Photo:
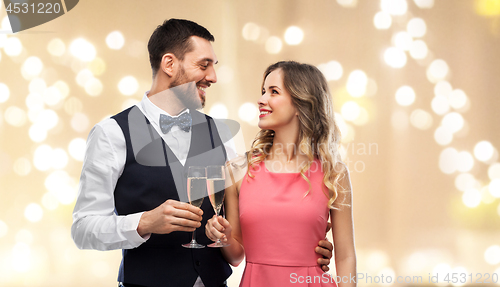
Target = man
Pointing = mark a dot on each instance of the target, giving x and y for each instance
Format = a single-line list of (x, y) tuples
[(133, 184)]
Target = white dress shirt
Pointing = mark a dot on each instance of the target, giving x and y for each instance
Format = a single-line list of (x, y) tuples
[(95, 224)]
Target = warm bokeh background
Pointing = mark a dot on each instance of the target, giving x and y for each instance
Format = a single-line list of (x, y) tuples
[(416, 88)]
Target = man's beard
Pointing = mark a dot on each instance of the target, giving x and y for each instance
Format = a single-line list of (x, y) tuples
[(190, 99)]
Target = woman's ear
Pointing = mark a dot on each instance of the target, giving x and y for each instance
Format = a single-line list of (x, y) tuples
[(167, 64)]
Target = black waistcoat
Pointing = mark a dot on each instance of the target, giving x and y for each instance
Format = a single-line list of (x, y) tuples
[(152, 175)]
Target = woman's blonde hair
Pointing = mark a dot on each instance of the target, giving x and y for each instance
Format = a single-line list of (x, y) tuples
[(319, 135)]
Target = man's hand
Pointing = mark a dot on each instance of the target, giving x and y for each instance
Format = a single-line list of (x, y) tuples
[(170, 216), (325, 249)]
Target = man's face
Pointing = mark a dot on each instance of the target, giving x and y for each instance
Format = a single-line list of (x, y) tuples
[(197, 67)]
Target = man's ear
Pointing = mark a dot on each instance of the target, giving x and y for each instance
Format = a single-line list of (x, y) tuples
[(168, 64)]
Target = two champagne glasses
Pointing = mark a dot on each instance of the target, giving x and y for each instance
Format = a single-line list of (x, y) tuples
[(213, 179)]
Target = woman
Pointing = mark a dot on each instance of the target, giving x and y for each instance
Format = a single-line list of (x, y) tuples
[(287, 186)]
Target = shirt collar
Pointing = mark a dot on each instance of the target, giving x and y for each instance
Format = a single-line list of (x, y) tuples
[(153, 112)]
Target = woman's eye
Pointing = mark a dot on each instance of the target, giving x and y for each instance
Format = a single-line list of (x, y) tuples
[(263, 91), (274, 91)]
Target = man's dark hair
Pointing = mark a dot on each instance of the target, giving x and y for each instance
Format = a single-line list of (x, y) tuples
[(173, 37)]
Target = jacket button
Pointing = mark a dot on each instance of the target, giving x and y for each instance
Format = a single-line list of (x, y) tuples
[(197, 262)]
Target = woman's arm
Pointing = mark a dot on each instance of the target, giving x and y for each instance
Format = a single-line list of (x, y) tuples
[(228, 230), (343, 231)]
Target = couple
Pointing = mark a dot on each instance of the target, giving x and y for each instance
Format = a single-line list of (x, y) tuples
[(131, 201)]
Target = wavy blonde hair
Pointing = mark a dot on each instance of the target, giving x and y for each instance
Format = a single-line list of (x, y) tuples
[(319, 135)]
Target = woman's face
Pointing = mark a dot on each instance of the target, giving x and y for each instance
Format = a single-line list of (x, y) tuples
[(275, 104)]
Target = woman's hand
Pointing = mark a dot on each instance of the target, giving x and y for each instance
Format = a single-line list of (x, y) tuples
[(218, 228)]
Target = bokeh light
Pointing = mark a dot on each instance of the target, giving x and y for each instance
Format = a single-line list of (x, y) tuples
[(49, 201), (80, 122), (471, 197), (219, 111), (83, 50), (421, 119), (273, 45), (294, 35), (32, 67), (248, 112), (128, 85), (97, 66), (13, 47), (424, 4), (37, 133), (395, 57), (448, 160), (402, 40), (418, 50), (465, 181), (440, 105), (347, 3), (484, 151), (22, 166), (363, 117), (494, 188), (437, 70), (93, 87), (76, 149), (42, 157), (225, 74), (115, 40), (37, 85), (61, 186), (4, 93), (405, 96), (494, 171), (356, 83), (416, 27), (443, 135), (52, 96), (457, 99), (492, 255), (350, 110), (465, 161), (33, 212), (394, 7), (56, 47), (382, 20), (332, 70), (59, 158), (443, 88), (15, 116), (251, 32), (453, 121)]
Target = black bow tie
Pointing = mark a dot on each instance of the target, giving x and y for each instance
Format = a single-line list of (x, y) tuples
[(184, 122)]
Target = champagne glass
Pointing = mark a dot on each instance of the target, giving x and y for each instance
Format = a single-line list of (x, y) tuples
[(215, 188), (196, 187)]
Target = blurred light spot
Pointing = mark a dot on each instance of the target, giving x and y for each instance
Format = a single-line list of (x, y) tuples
[(350, 111), (22, 166), (340, 123), (400, 120), (402, 40), (347, 3), (83, 77), (424, 4), (437, 70), (15, 116), (453, 121), (448, 160), (494, 171), (443, 135), (42, 157), (13, 46), (486, 196), (421, 119), (382, 20), (219, 111), (4, 93), (377, 258), (440, 105), (76, 149), (6, 24), (471, 197), (442, 88), (49, 201), (394, 7), (371, 88), (93, 87), (487, 7), (494, 187), (405, 96), (294, 35), (37, 85), (34, 101), (363, 117), (32, 67), (465, 161), (62, 186), (3, 39), (72, 106), (395, 57), (100, 269), (115, 40), (251, 31), (37, 133), (52, 96), (128, 86), (459, 270), (24, 236), (387, 272), (273, 45), (80, 122), (33, 212), (418, 50), (21, 257), (416, 27), (83, 50), (457, 99), (97, 66), (484, 151), (225, 74), (59, 158), (356, 83), (465, 181), (48, 119), (492, 255), (331, 70), (56, 47), (248, 111), (3, 229)]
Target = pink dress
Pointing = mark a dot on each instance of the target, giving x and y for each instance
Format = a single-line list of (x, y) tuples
[(281, 228)]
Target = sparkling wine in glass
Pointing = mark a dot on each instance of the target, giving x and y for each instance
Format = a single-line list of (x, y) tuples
[(215, 188), (196, 187)]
